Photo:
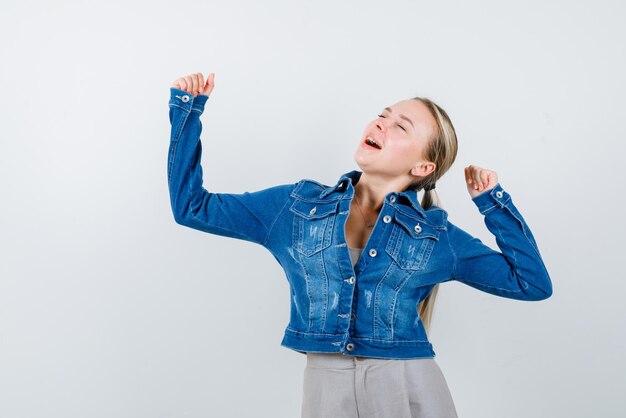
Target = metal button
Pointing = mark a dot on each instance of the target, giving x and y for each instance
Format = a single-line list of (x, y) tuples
[(373, 252), (392, 199), (418, 228), (312, 211), (349, 346), (185, 98), (387, 219), (351, 280), (499, 194)]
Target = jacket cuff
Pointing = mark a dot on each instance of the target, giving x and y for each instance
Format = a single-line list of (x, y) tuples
[(491, 199), (187, 101)]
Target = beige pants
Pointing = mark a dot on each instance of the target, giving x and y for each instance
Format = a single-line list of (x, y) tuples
[(341, 386)]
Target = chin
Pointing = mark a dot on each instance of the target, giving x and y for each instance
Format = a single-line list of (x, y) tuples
[(361, 161), (369, 169)]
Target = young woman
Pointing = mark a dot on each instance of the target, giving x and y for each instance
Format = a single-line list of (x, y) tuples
[(364, 257)]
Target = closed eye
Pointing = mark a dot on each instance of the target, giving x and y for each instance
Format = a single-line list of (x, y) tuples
[(400, 126)]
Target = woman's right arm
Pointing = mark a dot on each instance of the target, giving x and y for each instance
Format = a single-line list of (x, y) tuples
[(247, 216)]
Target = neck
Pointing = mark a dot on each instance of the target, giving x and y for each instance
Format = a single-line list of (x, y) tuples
[(371, 190)]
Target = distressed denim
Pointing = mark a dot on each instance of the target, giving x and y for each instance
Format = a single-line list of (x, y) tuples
[(369, 310)]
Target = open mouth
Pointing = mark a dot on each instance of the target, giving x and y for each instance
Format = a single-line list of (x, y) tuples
[(371, 142)]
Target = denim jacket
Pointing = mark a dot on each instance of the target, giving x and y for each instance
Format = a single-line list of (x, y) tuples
[(368, 310)]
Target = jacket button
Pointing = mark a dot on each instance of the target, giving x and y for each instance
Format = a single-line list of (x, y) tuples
[(349, 346), (185, 98), (312, 211), (418, 228), (387, 219), (499, 194), (373, 252), (351, 280), (352, 316), (392, 199)]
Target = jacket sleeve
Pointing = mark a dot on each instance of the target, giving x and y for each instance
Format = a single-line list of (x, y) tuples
[(518, 271), (246, 216)]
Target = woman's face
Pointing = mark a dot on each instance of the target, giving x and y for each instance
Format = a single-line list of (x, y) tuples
[(401, 134)]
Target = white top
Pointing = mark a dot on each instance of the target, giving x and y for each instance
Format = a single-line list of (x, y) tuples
[(355, 253)]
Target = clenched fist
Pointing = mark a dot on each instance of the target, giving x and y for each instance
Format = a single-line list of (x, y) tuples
[(479, 180), (194, 84)]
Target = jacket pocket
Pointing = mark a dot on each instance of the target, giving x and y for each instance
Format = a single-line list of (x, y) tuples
[(411, 242), (312, 225)]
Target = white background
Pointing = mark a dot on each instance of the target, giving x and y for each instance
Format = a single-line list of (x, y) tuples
[(108, 308)]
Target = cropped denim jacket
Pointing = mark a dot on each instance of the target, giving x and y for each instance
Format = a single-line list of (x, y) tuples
[(369, 310)]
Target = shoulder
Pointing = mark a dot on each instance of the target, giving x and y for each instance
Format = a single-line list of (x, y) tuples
[(436, 217), (316, 192), (308, 188)]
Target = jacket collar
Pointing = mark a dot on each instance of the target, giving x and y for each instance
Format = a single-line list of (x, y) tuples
[(351, 178)]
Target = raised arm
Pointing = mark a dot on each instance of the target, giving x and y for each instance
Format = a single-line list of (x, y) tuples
[(518, 271), (247, 216)]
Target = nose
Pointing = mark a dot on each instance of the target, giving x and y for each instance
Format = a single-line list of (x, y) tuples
[(380, 124)]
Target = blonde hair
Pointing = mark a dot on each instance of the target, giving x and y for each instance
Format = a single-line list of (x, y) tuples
[(441, 150)]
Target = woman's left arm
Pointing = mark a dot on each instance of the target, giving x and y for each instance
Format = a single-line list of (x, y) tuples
[(518, 271)]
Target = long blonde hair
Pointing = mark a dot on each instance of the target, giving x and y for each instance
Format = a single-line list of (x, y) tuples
[(441, 150)]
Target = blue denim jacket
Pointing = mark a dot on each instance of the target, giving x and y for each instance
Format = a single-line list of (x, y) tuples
[(368, 310)]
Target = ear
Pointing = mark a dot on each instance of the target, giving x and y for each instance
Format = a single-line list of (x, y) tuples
[(423, 168)]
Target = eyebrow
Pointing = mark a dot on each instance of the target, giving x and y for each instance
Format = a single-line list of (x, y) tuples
[(402, 116)]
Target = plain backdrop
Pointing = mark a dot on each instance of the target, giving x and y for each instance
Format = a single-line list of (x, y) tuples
[(108, 308)]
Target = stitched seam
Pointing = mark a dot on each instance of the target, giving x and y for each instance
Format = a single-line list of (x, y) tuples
[(392, 312), (376, 310), (181, 124), (178, 106), (217, 228), (174, 147), (515, 264), (523, 230), (325, 303), (512, 250), (454, 258), (295, 331), (491, 287), (282, 209), (528, 239), (308, 292), (385, 340), (489, 209)]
